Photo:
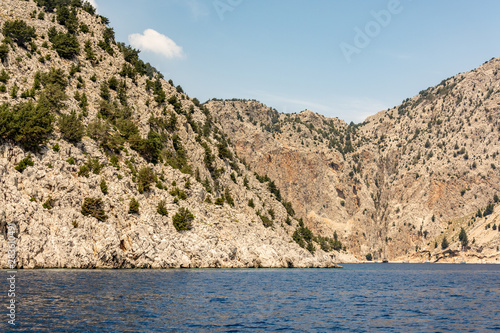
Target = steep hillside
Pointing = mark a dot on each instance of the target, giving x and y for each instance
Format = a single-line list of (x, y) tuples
[(396, 185), (103, 163)]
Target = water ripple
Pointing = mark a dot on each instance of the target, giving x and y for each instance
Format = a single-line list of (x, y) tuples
[(359, 298)]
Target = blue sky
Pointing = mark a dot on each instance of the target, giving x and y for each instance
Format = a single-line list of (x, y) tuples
[(345, 59)]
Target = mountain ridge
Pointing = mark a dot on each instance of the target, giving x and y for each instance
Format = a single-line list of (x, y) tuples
[(127, 171), (410, 134), (126, 161)]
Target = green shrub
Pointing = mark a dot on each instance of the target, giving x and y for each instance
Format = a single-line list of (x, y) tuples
[(56, 77), (4, 76), (444, 243), (302, 234), (84, 171), (14, 91), (66, 45), (104, 92), (26, 124), (19, 32), (335, 244), (251, 203), (94, 207), (48, 204), (149, 148), (50, 5), (266, 221), (89, 53), (67, 16), (71, 161), (53, 95), (98, 130), (88, 8), (55, 147), (489, 209), (114, 162), (310, 247), (133, 206), (369, 257), (179, 193), (274, 190), (183, 219), (75, 69), (4, 51), (93, 165), (71, 127), (104, 187), (159, 93), (113, 83), (24, 163), (463, 238), (228, 197), (159, 185), (83, 103), (161, 208), (219, 201), (289, 208), (145, 178)]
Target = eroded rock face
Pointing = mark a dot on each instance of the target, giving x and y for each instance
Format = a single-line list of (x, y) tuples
[(61, 237), (394, 185), (45, 200)]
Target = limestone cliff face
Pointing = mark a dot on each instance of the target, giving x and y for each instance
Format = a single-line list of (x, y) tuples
[(143, 139), (394, 186), (61, 237), (397, 184)]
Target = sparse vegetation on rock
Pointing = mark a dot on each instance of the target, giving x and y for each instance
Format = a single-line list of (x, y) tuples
[(183, 219), (94, 207)]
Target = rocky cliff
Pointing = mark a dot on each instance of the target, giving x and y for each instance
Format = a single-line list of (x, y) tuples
[(104, 163), (396, 185)]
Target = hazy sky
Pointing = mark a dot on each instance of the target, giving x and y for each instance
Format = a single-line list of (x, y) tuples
[(347, 59)]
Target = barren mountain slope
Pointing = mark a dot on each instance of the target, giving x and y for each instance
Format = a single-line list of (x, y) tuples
[(103, 163), (395, 185)]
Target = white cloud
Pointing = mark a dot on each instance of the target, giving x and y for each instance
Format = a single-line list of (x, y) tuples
[(156, 42)]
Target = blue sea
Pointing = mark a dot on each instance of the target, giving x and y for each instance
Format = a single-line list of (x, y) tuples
[(358, 298)]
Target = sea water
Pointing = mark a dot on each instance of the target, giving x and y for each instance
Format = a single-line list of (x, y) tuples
[(358, 298)]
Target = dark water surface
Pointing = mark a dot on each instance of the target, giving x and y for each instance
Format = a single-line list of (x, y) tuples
[(358, 298)]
